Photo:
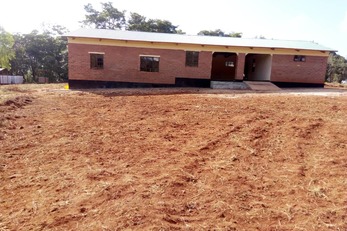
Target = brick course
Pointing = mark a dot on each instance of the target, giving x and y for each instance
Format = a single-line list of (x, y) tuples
[(285, 69), (240, 66), (123, 64)]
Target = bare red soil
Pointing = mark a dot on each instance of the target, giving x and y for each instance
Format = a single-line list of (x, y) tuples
[(173, 160)]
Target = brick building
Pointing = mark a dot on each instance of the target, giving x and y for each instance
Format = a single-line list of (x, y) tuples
[(102, 58)]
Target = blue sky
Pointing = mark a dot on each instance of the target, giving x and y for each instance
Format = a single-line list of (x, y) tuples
[(322, 21)]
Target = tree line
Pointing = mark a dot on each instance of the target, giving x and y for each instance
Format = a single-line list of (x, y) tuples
[(112, 18), (336, 68), (35, 54), (44, 54)]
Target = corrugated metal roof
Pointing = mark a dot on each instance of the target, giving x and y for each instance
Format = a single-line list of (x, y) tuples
[(195, 39)]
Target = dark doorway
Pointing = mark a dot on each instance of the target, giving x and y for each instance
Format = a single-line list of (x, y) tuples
[(223, 66)]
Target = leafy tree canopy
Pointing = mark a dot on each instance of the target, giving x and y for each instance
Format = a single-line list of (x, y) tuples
[(220, 33), (108, 18), (41, 55), (336, 68), (55, 30), (111, 18), (138, 22), (6, 51)]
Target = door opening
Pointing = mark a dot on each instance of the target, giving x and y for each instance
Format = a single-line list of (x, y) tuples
[(223, 66), (258, 67)]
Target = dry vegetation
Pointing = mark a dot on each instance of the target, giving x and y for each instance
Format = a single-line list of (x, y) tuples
[(336, 85), (9, 92), (172, 159)]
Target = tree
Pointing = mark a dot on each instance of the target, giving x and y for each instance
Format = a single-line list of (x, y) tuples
[(56, 30), (162, 26), (336, 68), (235, 34), (220, 33), (108, 18), (138, 22), (21, 63), (217, 32), (6, 51), (41, 55), (111, 18)]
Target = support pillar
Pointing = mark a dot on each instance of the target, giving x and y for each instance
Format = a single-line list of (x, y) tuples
[(240, 67)]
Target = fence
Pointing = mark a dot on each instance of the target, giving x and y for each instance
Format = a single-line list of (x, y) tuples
[(43, 80), (11, 79)]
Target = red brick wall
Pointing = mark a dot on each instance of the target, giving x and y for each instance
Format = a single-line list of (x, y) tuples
[(285, 69), (240, 66), (123, 64)]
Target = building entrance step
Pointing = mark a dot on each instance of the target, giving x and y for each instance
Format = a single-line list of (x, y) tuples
[(262, 86), (229, 85)]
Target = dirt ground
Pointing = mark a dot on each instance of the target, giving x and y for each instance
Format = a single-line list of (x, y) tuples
[(173, 159)]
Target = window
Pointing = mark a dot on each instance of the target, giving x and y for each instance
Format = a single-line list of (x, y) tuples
[(229, 64), (149, 63), (96, 61), (192, 58), (299, 58)]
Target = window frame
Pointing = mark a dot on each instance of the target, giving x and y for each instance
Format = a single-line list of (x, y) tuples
[(299, 58), (149, 63), (192, 58), (97, 60)]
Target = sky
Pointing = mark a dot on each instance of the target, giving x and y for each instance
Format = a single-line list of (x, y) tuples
[(321, 21)]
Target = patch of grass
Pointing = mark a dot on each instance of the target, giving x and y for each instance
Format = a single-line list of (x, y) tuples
[(8, 92), (13, 88)]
